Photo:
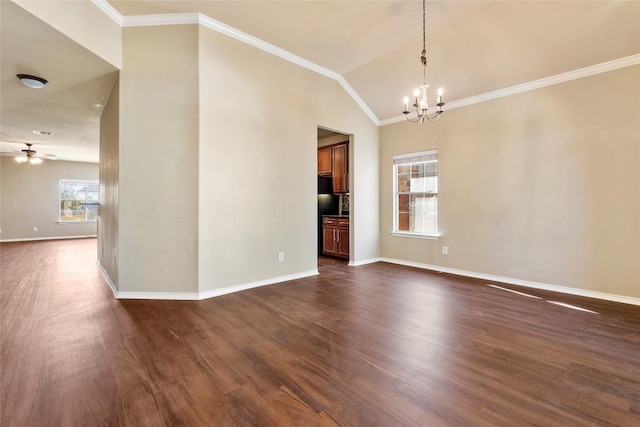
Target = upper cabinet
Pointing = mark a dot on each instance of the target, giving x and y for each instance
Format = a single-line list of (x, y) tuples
[(340, 168), (324, 161), (333, 161)]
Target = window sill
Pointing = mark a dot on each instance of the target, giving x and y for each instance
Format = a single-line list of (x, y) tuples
[(77, 222), (415, 235)]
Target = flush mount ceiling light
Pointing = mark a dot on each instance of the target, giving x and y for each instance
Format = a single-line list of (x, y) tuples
[(42, 132), (421, 105), (33, 82)]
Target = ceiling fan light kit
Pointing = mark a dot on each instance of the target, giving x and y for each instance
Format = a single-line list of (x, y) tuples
[(34, 82), (31, 160), (29, 155), (422, 105)]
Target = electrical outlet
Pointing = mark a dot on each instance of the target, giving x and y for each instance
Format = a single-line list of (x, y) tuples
[(280, 256), (445, 250), (35, 228)]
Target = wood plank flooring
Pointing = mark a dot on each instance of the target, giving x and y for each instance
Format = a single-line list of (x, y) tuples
[(376, 345)]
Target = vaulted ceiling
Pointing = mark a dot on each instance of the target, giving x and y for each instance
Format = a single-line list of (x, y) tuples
[(474, 47)]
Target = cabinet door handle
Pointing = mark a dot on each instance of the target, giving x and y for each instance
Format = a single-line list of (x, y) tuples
[(338, 235)]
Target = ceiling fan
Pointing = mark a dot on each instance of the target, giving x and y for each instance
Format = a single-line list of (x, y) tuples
[(32, 156)]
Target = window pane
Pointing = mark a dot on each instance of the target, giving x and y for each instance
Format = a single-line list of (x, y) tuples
[(74, 197), (417, 193), (424, 214), (404, 169), (90, 213), (404, 181), (404, 221), (93, 196), (403, 202)]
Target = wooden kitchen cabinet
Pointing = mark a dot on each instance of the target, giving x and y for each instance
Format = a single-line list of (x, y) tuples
[(324, 160), (335, 236), (333, 161), (343, 240), (329, 241), (340, 168)]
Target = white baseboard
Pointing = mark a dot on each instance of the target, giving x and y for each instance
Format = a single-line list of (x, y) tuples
[(107, 279), (237, 288), (364, 262), (179, 296), (518, 282), (195, 296), (31, 239)]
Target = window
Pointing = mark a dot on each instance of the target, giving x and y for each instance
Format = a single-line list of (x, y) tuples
[(415, 190), (79, 200)]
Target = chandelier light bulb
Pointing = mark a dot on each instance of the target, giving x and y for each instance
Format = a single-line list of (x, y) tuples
[(35, 160), (21, 159)]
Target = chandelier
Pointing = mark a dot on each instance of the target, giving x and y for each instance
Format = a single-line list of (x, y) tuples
[(421, 105)]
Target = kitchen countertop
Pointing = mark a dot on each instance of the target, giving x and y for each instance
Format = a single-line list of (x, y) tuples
[(335, 216)]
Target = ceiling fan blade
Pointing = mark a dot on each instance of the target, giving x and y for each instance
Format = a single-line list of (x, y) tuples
[(47, 156)]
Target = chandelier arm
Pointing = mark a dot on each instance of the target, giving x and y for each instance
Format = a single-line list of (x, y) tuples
[(433, 117), (416, 119)]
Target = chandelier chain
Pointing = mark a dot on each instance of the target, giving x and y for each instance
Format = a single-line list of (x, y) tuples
[(424, 34)]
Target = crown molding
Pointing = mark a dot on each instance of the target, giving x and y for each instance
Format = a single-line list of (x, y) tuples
[(354, 95), (160, 19), (232, 32), (592, 70), (109, 10), (227, 30), (208, 22)]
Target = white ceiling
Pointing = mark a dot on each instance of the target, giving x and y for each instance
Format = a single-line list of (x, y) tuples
[(69, 106), (474, 47)]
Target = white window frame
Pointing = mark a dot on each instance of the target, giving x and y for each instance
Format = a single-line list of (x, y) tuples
[(86, 182), (408, 159)]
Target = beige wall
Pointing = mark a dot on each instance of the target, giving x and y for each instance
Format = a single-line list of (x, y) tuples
[(83, 22), (258, 146), (108, 215), (542, 186), (158, 160), (29, 198)]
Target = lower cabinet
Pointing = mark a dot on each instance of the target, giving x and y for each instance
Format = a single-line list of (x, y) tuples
[(335, 236)]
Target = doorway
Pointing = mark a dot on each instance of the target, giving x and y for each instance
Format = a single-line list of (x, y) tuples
[(333, 221)]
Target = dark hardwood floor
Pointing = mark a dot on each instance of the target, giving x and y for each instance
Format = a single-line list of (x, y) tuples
[(377, 345)]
